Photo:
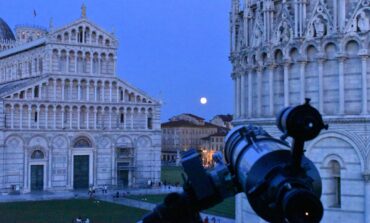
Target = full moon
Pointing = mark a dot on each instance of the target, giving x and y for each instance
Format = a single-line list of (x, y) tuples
[(203, 100)]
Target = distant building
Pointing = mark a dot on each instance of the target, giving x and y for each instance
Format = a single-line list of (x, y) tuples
[(223, 121), (66, 120), (212, 144), (182, 132)]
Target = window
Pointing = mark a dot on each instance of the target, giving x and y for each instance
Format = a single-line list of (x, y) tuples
[(122, 118), (21, 95), (35, 117), (36, 92), (121, 95), (150, 124), (335, 184)]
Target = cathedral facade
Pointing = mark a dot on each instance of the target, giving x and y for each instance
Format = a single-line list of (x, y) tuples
[(66, 120), (285, 51)]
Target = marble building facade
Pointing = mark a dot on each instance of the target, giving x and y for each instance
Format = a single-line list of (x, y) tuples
[(285, 51), (67, 121)]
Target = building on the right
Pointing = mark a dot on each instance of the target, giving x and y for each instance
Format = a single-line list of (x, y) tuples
[(285, 51)]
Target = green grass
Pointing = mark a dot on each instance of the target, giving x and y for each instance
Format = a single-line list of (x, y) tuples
[(224, 209), (171, 174), (66, 210)]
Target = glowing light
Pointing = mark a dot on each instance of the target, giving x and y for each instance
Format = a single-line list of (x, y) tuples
[(203, 100)]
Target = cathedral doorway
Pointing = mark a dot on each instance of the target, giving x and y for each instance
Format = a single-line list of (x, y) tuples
[(122, 175), (37, 177), (80, 171)]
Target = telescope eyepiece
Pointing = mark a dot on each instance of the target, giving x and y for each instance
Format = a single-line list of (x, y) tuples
[(302, 206)]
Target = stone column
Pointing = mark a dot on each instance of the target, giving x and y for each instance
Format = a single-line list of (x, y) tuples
[(63, 113), (11, 116), (321, 85), (235, 95), (55, 89), (95, 117), (40, 91), (46, 116), (96, 91), (21, 117), (341, 84), (132, 120), (302, 81), (259, 91), (250, 94), (124, 119), (78, 118), (79, 90), (286, 84), (271, 89), (103, 92), (70, 89), (88, 91), (91, 63), (63, 86), (70, 117), (29, 116), (110, 91), (55, 118), (364, 58), (87, 118), (110, 118), (76, 56), (366, 176), (238, 95), (67, 63), (242, 93), (99, 65), (38, 117)]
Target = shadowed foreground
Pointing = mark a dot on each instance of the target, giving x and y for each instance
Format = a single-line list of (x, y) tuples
[(66, 210)]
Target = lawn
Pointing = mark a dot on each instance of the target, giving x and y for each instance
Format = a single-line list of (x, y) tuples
[(66, 210), (171, 174), (224, 209)]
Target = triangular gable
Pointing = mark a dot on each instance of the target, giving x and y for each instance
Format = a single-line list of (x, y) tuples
[(80, 22), (257, 31), (283, 31), (321, 21), (359, 20)]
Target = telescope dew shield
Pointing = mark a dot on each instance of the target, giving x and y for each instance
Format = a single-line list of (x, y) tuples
[(261, 163)]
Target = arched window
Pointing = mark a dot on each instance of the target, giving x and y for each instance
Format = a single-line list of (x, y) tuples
[(82, 142), (335, 184), (37, 154)]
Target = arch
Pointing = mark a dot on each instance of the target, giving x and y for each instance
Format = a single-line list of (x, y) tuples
[(38, 140), (143, 141), (37, 154), (12, 137), (278, 56), (82, 141), (124, 141), (330, 157), (340, 136)]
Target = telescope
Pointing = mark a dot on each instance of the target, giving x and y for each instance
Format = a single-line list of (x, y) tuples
[(281, 184)]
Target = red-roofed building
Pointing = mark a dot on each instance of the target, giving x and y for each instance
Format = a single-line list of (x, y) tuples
[(183, 132)]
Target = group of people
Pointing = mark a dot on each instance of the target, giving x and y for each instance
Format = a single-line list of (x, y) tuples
[(92, 190), (79, 220), (160, 184)]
